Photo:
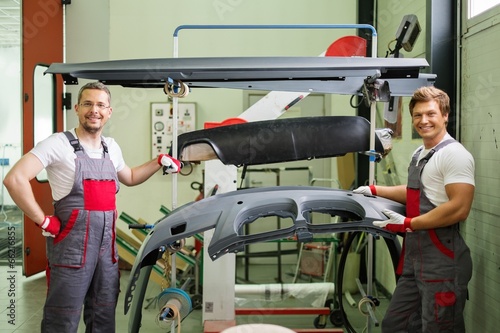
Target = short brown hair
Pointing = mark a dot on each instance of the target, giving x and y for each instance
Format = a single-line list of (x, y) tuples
[(94, 85), (426, 94)]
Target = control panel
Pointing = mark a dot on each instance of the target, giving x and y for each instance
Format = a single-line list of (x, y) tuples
[(162, 125)]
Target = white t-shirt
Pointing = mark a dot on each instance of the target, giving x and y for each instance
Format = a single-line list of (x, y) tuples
[(449, 165), (58, 158)]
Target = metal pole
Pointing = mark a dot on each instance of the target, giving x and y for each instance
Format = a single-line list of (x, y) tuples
[(371, 180)]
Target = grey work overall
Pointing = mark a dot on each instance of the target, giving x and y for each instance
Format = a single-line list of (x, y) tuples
[(431, 292), (82, 260)]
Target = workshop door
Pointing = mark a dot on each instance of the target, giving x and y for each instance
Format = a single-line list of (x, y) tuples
[(42, 44)]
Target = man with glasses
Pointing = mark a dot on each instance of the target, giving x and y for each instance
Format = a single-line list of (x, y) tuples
[(84, 170)]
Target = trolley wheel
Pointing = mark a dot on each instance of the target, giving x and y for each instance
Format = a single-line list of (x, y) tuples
[(336, 318), (197, 302), (331, 304), (318, 323), (192, 289)]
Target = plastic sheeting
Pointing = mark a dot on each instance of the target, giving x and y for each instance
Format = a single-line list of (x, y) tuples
[(313, 294)]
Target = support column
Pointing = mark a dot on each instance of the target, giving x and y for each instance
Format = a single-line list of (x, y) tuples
[(219, 275)]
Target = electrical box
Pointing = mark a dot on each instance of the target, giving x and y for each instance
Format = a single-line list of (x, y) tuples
[(409, 29), (162, 125)]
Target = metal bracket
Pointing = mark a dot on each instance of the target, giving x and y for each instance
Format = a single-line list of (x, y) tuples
[(376, 90), (66, 101)]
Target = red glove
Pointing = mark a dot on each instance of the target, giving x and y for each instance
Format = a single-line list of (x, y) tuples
[(170, 164), (395, 223), (51, 226)]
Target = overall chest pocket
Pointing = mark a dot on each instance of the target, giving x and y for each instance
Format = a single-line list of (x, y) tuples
[(99, 194)]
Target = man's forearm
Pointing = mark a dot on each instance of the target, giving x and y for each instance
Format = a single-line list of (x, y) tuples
[(22, 195), (396, 193)]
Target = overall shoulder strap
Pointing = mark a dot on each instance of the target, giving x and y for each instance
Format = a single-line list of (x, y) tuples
[(438, 147), (104, 146), (74, 142)]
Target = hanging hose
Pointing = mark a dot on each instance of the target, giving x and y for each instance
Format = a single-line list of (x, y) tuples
[(394, 250), (364, 301)]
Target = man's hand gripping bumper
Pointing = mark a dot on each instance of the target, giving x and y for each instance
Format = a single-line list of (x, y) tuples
[(169, 164), (395, 223)]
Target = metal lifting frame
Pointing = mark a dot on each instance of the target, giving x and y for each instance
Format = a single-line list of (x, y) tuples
[(371, 178)]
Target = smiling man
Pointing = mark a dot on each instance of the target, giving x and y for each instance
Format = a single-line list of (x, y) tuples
[(84, 170), (436, 265)]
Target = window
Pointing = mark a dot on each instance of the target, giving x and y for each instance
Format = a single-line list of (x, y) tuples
[(477, 7), (43, 108)]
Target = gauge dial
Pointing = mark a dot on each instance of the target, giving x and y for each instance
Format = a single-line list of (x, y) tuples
[(159, 126)]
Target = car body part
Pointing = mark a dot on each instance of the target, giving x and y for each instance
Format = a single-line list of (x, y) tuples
[(281, 140), (341, 75), (229, 212)]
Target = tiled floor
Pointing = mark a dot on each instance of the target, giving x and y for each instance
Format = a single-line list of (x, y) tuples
[(25, 314), (22, 299)]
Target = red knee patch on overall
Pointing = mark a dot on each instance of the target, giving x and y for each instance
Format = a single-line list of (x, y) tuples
[(443, 303)]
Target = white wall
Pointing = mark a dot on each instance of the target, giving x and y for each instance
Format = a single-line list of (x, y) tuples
[(10, 113), (135, 29)]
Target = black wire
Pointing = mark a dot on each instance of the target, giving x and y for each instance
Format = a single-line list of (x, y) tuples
[(351, 102), (340, 278), (243, 175), (190, 169)]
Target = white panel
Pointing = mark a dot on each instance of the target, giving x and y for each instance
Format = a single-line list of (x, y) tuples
[(218, 276), (162, 125)]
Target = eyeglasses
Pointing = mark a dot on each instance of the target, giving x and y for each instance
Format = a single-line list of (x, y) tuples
[(88, 105)]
